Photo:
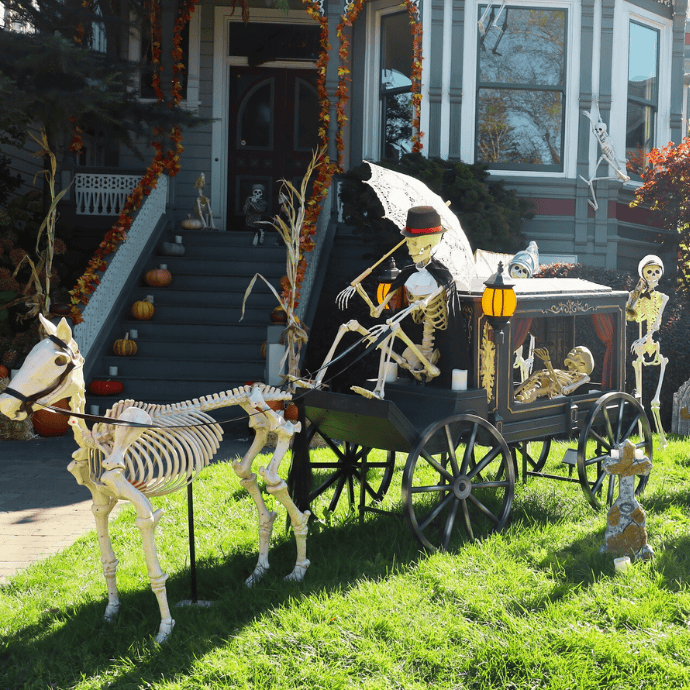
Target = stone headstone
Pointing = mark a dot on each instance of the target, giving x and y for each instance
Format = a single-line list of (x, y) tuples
[(680, 421)]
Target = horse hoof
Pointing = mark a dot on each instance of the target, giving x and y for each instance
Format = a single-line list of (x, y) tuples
[(165, 630)]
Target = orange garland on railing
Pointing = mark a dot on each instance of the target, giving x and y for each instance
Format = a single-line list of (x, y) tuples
[(168, 162), (348, 19)]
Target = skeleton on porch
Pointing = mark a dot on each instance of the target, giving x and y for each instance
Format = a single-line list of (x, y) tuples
[(429, 287), (150, 450), (203, 204), (646, 306)]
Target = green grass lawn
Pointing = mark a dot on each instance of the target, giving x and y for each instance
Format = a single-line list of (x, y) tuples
[(536, 606)]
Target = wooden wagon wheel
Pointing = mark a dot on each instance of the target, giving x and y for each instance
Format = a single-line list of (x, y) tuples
[(535, 453), (342, 474), (614, 418), (460, 474)]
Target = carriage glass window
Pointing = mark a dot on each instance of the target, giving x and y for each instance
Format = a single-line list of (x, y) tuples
[(521, 66), (643, 98), (396, 85)]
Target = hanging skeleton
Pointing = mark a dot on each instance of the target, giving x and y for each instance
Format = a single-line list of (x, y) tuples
[(430, 289), (608, 154), (646, 306)]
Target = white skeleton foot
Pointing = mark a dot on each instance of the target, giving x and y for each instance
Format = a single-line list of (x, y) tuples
[(111, 611), (256, 576), (367, 393), (297, 575), (164, 630)]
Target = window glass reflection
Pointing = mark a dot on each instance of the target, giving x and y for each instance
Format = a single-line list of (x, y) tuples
[(306, 116)]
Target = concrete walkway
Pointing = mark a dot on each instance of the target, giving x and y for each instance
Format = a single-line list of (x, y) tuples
[(42, 508)]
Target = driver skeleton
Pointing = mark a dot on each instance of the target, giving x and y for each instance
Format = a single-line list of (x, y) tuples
[(429, 287)]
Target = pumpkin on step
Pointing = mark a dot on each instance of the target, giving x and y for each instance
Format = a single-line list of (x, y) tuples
[(172, 249), (142, 309), (105, 387), (4, 371), (48, 423), (125, 347), (192, 223), (158, 277)]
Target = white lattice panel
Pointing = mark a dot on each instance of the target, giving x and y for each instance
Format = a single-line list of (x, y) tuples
[(101, 194), (117, 275)]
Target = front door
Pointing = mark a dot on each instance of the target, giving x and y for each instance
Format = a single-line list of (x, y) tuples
[(274, 119)]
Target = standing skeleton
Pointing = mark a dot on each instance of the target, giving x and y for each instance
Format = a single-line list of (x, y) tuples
[(646, 305), (428, 306), (151, 450), (608, 154)]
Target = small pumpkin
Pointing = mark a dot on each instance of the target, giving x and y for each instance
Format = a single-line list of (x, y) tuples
[(291, 413), (4, 371), (158, 277), (190, 223), (142, 309), (278, 315), (173, 249), (125, 347), (105, 387), (48, 423), (264, 345)]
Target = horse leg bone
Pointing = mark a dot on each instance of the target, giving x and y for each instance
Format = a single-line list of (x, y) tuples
[(242, 469), (101, 509), (278, 488)]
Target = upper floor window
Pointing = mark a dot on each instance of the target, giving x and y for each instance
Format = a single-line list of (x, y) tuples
[(395, 86), (521, 88), (643, 95)]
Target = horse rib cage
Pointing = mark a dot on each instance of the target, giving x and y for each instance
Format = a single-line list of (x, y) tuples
[(163, 460)]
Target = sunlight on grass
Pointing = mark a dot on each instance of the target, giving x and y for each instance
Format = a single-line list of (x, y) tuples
[(534, 606)]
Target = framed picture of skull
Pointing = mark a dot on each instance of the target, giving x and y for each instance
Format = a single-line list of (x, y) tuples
[(245, 185)]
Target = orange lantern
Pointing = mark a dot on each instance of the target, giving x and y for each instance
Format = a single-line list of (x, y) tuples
[(498, 300)]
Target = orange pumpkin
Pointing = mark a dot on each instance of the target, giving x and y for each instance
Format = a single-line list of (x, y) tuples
[(142, 310), (125, 347), (4, 371), (107, 387), (158, 277), (278, 315), (264, 345), (291, 413), (48, 423)]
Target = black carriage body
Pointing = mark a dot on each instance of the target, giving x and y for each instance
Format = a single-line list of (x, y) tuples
[(560, 313)]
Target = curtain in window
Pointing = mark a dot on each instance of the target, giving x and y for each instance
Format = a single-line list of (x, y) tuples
[(603, 325), (520, 331)]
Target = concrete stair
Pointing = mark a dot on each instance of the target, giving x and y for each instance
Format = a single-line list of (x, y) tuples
[(195, 344)]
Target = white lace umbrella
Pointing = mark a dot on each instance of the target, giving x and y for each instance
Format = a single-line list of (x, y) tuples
[(398, 193)]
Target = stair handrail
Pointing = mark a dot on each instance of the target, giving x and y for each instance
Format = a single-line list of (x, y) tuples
[(118, 274)]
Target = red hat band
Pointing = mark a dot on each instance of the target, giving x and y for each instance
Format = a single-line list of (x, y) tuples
[(422, 220)]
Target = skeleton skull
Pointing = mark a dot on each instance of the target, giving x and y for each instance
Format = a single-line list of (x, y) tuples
[(518, 271), (652, 274), (257, 192), (600, 128), (580, 359), (419, 247)]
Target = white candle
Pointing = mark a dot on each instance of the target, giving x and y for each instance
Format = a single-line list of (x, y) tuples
[(164, 267), (391, 372), (95, 410), (178, 239), (615, 454), (621, 564), (133, 333), (639, 453), (459, 380), (112, 371), (149, 298)]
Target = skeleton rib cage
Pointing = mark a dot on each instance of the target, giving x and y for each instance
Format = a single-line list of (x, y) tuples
[(163, 460)]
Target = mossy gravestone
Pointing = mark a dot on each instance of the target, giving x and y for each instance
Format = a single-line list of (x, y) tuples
[(626, 533)]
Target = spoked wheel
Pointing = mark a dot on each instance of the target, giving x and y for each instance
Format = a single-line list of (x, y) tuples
[(615, 418), (459, 480), (535, 453), (341, 474)]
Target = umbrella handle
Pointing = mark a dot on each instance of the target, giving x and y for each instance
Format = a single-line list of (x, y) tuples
[(368, 271)]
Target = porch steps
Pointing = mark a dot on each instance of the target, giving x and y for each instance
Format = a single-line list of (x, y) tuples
[(195, 344)]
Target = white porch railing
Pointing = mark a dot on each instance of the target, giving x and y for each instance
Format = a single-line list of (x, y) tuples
[(102, 194), (117, 275)]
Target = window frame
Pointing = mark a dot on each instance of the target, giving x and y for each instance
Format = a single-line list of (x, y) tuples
[(562, 88), (570, 114), (619, 78)]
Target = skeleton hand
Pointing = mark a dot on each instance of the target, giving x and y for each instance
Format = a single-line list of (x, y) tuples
[(543, 354), (379, 330), (343, 297)]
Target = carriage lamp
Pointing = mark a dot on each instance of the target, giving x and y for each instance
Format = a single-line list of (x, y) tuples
[(498, 300), (386, 278)]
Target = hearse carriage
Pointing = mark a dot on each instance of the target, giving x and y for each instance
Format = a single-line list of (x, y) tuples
[(464, 449)]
